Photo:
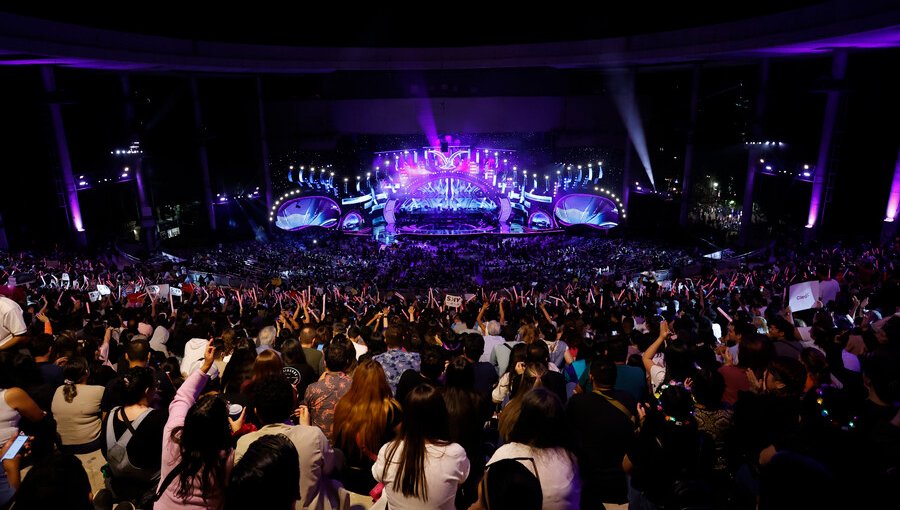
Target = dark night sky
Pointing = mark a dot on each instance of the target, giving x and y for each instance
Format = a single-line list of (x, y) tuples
[(865, 151)]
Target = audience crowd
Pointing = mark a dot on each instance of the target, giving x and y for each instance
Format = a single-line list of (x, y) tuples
[(557, 373)]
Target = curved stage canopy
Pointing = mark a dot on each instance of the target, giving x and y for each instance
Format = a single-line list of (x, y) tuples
[(582, 209), (309, 211)]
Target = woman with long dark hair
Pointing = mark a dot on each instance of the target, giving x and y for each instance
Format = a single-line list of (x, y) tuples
[(539, 439), (268, 364), (296, 369), (196, 445), (364, 419), (421, 468), (678, 359), (467, 411), (238, 370), (266, 476), (513, 369)]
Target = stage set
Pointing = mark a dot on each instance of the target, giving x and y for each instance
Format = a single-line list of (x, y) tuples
[(447, 190)]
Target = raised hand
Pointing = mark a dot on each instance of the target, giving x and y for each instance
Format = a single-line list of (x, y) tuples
[(756, 386), (209, 356), (302, 414)]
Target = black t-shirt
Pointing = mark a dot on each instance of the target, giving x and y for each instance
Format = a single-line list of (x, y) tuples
[(145, 446), (555, 382), (485, 378), (300, 376), (602, 435), (665, 463), (313, 359), (761, 420), (51, 373)]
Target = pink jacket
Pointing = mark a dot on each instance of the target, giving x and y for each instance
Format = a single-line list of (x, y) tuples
[(171, 455)]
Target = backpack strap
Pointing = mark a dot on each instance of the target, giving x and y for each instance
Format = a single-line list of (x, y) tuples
[(132, 426), (110, 430), (618, 405), (137, 421)]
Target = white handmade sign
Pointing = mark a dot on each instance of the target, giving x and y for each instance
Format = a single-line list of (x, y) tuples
[(803, 296), (453, 301)]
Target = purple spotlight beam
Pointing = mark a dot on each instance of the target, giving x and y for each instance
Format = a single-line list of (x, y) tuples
[(894, 198), (838, 70), (65, 162)]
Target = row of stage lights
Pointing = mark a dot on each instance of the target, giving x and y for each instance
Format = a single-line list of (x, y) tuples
[(311, 169), (134, 148), (666, 193), (278, 202), (84, 183), (612, 196), (377, 168), (805, 174), (224, 198), (126, 175)]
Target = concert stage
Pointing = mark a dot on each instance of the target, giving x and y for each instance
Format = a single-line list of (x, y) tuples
[(447, 191)]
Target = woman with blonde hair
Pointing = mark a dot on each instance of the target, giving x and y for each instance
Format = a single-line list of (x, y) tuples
[(527, 333), (364, 419)]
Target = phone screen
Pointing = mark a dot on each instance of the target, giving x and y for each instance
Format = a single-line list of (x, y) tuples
[(16, 446)]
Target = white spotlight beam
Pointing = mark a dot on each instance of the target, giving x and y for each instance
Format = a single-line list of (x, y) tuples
[(621, 83)]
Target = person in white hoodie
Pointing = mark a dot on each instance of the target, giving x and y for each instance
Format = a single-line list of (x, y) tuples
[(194, 351)]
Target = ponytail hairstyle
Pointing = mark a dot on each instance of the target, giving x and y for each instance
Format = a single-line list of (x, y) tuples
[(137, 381), (76, 370)]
